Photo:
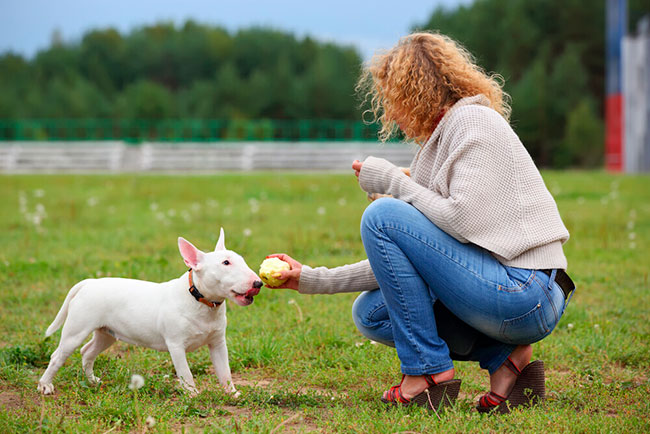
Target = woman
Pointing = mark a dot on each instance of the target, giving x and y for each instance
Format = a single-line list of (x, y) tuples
[(474, 227)]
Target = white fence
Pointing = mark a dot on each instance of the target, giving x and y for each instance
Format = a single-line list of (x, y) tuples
[(54, 157)]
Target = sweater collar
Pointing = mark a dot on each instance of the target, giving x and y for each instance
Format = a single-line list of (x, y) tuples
[(479, 99)]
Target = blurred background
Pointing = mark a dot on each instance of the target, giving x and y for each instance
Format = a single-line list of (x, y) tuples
[(210, 85)]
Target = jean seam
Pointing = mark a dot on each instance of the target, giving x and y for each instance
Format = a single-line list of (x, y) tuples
[(436, 248), (411, 341), (547, 291)]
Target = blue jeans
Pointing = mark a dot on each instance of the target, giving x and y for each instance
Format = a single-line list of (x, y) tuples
[(416, 264)]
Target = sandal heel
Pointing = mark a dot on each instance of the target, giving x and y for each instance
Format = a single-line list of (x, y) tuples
[(530, 387), (441, 395)]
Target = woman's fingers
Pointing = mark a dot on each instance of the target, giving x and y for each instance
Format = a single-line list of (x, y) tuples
[(356, 166)]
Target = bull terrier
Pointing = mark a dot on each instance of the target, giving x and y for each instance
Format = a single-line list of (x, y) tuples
[(176, 316)]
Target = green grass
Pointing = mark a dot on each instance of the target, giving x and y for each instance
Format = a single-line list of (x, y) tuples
[(314, 374)]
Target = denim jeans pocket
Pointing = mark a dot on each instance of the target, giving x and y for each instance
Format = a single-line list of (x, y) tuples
[(525, 329), (520, 279)]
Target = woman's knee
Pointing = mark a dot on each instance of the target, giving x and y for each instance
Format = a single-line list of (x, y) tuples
[(379, 212), (365, 307)]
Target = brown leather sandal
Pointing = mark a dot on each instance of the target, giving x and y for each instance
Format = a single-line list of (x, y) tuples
[(436, 396), (529, 389)]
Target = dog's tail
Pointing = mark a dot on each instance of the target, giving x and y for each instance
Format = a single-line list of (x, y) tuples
[(63, 312)]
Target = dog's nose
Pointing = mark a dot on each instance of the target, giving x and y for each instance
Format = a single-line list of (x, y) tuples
[(257, 284)]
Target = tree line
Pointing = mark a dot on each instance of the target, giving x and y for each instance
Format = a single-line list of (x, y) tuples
[(550, 53)]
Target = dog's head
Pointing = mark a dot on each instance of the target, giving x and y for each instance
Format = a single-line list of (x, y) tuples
[(221, 274)]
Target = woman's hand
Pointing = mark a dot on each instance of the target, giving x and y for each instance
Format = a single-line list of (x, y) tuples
[(292, 275), (356, 166)]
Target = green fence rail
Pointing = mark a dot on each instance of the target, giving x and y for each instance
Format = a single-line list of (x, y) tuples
[(195, 130)]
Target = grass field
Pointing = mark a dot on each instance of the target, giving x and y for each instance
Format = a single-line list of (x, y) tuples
[(298, 360)]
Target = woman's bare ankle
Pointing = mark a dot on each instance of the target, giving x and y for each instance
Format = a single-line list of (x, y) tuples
[(415, 384), (503, 379)]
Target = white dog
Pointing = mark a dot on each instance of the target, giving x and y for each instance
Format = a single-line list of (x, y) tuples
[(176, 316)]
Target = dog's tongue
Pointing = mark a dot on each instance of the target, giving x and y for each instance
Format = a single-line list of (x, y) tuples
[(252, 292)]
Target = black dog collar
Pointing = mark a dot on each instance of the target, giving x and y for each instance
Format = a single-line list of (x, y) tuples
[(199, 297)]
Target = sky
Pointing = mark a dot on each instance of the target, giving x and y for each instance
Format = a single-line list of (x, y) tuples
[(26, 26)]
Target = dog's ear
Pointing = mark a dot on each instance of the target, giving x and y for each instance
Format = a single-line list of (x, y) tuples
[(191, 255), (221, 244)]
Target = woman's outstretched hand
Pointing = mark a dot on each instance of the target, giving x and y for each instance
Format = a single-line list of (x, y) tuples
[(356, 166), (292, 275)]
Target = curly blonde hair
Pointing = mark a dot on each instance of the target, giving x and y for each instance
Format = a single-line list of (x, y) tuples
[(424, 74)]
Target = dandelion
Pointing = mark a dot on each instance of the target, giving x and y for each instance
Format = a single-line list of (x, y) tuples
[(39, 192), (630, 225), (150, 422), (321, 210), (137, 381), (570, 326), (153, 206), (166, 376), (632, 236), (292, 301), (604, 200), (581, 200), (596, 326), (196, 207), (248, 232), (92, 201), (227, 211), (342, 201), (186, 216), (171, 212), (373, 343), (632, 245), (358, 344), (212, 203)]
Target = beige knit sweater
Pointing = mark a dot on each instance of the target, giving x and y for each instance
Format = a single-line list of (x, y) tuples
[(475, 180)]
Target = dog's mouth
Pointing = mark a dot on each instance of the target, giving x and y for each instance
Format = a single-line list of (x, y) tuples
[(246, 298)]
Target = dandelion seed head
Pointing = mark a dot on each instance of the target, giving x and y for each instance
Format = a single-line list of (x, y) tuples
[(248, 232), (570, 326), (321, 210), (137, 381), (92, 201), (153, 206), (596, 326), (342, 201), (39, 192), (150, 422), (632, 235)]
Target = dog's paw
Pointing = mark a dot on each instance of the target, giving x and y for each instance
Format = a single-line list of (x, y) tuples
[(191, 391), (235, 393), (94, 381), (45, 389)]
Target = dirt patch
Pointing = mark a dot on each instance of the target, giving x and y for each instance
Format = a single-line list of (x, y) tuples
[(11, 400)]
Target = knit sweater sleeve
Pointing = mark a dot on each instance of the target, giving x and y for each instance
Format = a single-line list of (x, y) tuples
[(380, 176), (347, 278)]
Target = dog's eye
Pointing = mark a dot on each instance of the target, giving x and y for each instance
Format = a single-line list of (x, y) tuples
[(226, 262)]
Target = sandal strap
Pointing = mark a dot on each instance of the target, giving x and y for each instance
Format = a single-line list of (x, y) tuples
[(430, 381), (491, 399), (508, 363), (395, 394)]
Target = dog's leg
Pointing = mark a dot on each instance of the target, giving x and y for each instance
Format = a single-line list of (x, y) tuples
[(219, 357), (71, 337), (179, 359), (100, 341)]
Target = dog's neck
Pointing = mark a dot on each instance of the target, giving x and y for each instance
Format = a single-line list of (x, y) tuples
[(198, 296)]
